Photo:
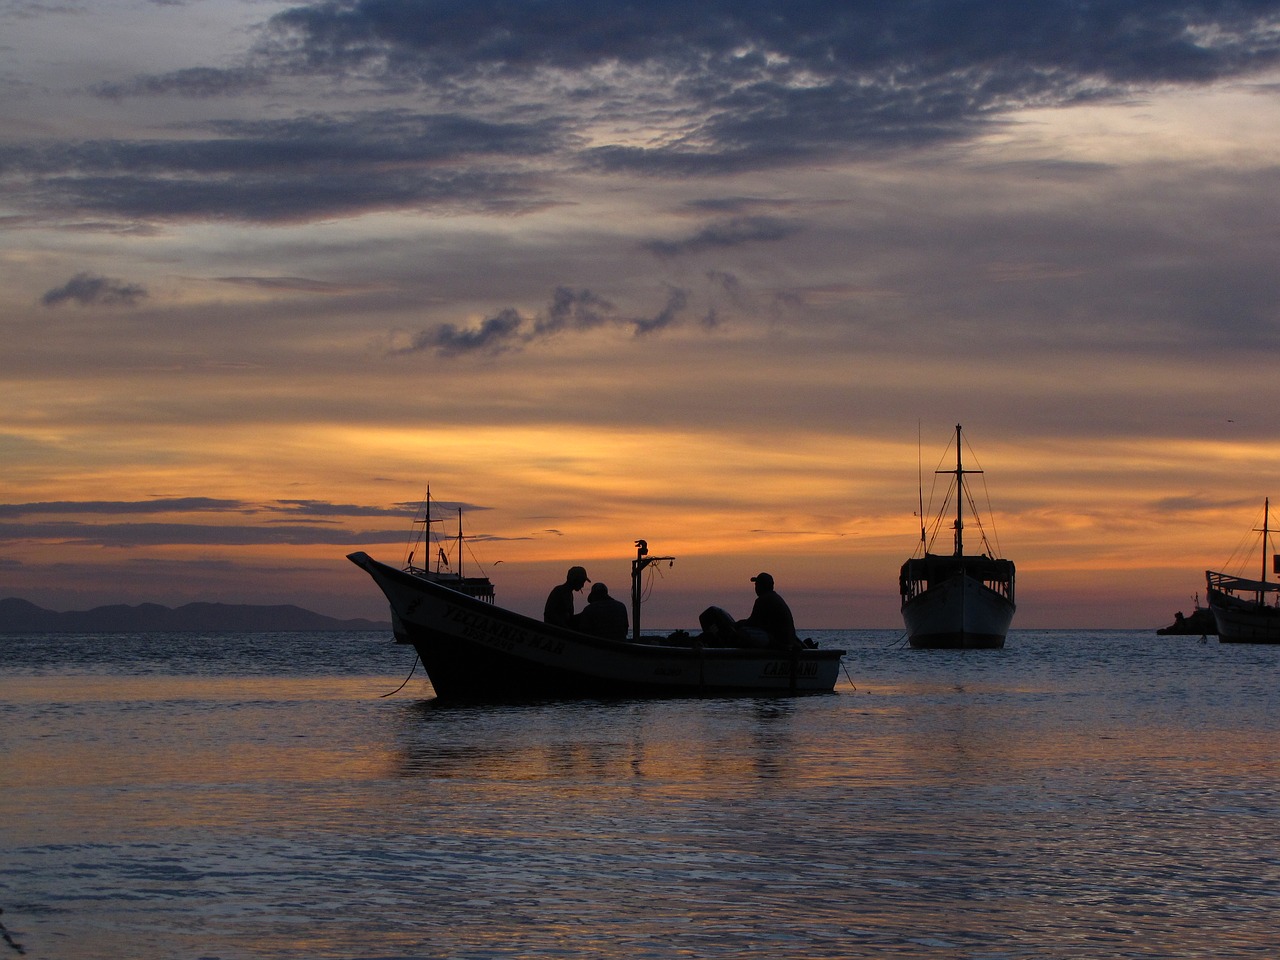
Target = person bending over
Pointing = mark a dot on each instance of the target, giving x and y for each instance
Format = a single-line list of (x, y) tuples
[(559, 606)]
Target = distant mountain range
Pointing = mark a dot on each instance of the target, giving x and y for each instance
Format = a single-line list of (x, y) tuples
[(20, 616)]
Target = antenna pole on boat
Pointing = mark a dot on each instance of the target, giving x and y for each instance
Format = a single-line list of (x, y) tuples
[(920, 486), (641, 561), (959, 498), (1266, 515)]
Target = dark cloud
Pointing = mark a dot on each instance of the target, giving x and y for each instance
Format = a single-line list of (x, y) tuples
[(300, 198), (494, 335), (277, 521), (519, 90), (323, 508), (572, 310), (737, 206), (677, 300), (314, 143), (87, 289), (289, 284), (724, 43), (731, 287), (171, 505), (726, 233), (1191, 504), (158, 534), (290, 170), (198, 82), (764, 83), (726, 281), (569, 310)]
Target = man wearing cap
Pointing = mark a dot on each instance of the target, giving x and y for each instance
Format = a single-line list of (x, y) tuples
[(771, 614), (603, 616), (559, 608)]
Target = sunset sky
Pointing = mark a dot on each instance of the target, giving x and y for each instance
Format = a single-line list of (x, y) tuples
[(723, 276)]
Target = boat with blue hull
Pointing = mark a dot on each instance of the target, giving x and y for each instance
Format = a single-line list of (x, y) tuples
[(956, 600)]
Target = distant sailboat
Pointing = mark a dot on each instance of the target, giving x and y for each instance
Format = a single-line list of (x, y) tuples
[(1247, 610), (444, 573), (956, 600)]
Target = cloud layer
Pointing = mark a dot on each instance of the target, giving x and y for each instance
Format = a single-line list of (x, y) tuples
[(521, 92), (86, 289)]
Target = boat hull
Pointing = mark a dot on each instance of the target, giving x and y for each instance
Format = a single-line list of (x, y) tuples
[(959, 612), (478, 651), (1244, 621)]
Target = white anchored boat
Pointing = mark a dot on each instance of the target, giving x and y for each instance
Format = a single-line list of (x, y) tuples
[(956, 599)]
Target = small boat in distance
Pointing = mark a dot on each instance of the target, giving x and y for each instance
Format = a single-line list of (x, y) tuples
[(479, 587), (473, 649), (1247, 610), (956, 600), (1199, 623)]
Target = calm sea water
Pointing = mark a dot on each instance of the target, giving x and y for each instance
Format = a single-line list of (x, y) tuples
[(1097, 794)]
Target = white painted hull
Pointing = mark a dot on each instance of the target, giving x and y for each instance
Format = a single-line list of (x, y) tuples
[(1244, 621), (959, 612)]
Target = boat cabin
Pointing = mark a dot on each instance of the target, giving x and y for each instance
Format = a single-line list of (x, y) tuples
[(921, 573)]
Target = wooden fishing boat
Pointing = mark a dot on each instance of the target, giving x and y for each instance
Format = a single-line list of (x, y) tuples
[(1247, 610), (956, 599), (477, 650)]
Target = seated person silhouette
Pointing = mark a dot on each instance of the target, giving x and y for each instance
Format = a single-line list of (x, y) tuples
[(770, 620), (603, 616)]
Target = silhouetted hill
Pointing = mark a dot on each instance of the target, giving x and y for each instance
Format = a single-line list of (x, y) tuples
[(21, 616)]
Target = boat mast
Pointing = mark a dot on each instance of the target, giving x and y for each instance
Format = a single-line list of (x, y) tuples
[(459, 543), (959, 472), (426, 522)]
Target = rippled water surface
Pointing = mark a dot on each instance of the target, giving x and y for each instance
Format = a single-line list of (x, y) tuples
[(1102, 794)]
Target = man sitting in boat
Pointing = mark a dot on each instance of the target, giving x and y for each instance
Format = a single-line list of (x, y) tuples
[(559, 607), (770, 623), (603, 616)]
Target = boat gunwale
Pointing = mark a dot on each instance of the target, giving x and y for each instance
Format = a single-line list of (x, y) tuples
[(1227, 583)]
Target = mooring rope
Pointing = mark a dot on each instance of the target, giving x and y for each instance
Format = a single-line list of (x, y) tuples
[(845, 668), (416, 658), (8, 938)]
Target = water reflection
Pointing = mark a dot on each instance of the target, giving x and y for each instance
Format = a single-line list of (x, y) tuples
[(677, 742), (1064, 803)]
